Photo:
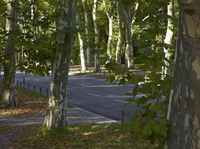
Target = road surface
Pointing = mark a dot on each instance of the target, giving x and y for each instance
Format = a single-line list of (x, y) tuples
[(90, 93)]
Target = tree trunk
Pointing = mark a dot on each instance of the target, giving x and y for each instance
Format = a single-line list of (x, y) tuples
[(119, 42), (110, 36), (129, 21), (57, 106), (183, 111), (129, 44), (9, 92), (82, 56), (87, 25), (168, 39), (96, 43)]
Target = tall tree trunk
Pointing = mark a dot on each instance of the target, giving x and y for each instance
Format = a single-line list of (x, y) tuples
[(119, 42), (57, 106), (183, 111), (9, 92), (87, 26), (96, 43), (82, 56), (129, 44), (129, 21), (110, 36), (168, 39)]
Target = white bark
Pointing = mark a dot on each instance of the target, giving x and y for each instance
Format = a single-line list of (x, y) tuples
[(96, 32), (129, 20), (85, 9), (129, 44), (81, 43), (56, 112), (110, 36), (168, 39), (9, 92), (119, 42)]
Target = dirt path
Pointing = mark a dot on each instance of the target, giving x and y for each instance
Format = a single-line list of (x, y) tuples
[(13, 127), (15, 122)]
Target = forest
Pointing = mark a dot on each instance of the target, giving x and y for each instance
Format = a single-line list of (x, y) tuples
[(152, 46)]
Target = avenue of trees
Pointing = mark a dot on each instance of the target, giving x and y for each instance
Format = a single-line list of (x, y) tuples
[(42, 36)]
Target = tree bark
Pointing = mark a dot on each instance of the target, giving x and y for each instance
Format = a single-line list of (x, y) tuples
[(183, 111), (96, 43), (129, 57), (57, 106), (80, 37), (9, 91), (168, 39), (119, 42), (129, 20), (87, 25), (110, 36)]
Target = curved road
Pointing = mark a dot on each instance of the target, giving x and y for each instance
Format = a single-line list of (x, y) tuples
[(90, 93)]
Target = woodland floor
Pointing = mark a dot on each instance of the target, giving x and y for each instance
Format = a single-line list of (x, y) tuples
[(20, 128), (16, 122)]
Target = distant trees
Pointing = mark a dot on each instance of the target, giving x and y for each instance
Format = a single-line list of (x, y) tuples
[(118, 52), (96, 37), (81, 43), (87, 26), (129, 19)]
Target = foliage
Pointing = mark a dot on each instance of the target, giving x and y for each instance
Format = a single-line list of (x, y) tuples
[(150, 93), (149, 120)]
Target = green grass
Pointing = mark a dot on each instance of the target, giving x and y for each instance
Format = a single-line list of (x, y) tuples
[(83, 136)]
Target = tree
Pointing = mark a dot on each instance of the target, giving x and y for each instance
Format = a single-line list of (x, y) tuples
[(168, 37), (109, 7), (81, 43), (119, 41), (57, 106), (183, 111), (9, 92), (87, 25), (129, 19), (96, 42)]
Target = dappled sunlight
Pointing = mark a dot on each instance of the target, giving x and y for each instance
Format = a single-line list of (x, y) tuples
[(24, 108)]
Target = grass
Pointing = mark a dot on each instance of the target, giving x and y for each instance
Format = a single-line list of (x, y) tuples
[(83, 136)]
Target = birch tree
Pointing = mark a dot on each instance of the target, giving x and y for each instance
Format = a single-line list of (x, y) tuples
[(168, 37), (96, 32), (183, 111), (87, 25), (9, 92), (81, 43), (109, 10), (129, 19), (57, 106), (119, 41)]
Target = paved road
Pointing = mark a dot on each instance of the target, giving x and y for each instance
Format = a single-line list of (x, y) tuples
[(92, 94)]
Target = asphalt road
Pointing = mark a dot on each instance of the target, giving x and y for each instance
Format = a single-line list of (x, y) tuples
[(93, 94)]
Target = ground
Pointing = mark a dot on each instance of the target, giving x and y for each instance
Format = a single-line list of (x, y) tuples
[(21, 128), (16, 122)]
